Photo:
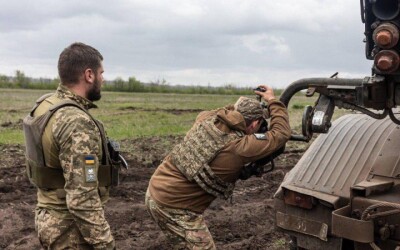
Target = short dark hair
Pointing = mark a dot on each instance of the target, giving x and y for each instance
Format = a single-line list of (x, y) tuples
[(75, 59), (248, 121)]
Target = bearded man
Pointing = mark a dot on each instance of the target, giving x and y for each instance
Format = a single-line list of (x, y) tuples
[(68, 159)]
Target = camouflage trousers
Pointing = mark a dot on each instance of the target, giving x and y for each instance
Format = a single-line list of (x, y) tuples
[(57, 233), (183, 228)]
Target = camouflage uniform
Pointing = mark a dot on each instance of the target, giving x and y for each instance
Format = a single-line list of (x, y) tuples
[(182, 227), (73, 217), (176, 200)]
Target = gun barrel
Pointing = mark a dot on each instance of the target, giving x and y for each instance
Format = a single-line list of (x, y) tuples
[(305, 83)]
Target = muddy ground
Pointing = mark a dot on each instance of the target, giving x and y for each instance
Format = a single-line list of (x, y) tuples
[(246, 222)]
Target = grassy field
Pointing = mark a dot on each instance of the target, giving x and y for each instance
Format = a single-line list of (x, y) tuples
[(131, 115)]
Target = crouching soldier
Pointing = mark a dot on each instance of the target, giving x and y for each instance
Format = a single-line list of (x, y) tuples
[(207, 164)]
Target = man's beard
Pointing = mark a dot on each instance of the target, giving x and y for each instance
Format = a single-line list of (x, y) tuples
[(94, 93)]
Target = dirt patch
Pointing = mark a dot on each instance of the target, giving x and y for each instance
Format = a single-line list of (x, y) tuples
[(12, 125), (246, 222)]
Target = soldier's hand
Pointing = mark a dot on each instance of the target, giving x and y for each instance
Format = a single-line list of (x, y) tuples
[(267, 95)]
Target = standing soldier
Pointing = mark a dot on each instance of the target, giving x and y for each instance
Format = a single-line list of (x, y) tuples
[(207, 164), (68, 157)]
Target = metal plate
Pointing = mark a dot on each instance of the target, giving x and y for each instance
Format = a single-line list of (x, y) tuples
[(301, 225), (345, 156)]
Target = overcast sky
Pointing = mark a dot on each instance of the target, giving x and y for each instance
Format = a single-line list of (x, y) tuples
[(190, 42)]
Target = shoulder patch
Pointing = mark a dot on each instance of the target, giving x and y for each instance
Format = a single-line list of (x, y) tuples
[(90, 174), (260, 136), (90, 168)]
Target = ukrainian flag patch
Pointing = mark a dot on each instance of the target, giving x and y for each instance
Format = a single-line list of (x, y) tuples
[(89, 160), (90, 168)]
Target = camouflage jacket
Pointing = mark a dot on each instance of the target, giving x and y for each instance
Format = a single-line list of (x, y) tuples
[(170, 188), (69, 137)]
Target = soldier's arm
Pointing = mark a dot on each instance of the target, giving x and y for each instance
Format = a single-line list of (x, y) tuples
[(254, 147), (79, 141), (279, 124)]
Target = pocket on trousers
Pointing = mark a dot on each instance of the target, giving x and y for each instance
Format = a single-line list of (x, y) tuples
[(50, 227)]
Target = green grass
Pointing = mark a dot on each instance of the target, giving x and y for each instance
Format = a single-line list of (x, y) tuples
[(11, 136), (280, 243), (132, 115), (143, 123), (296, 109)]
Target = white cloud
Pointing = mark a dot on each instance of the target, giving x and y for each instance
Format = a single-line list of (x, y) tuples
[(261, 43), (188, 41)]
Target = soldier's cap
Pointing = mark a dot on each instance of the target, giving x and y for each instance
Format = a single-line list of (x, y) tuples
[(251, 109)]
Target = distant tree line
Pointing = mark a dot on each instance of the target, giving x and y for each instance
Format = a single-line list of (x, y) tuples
[(120, 85), (24, 82)]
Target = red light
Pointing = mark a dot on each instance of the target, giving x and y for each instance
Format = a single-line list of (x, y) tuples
[(386, 35), (387, 61)]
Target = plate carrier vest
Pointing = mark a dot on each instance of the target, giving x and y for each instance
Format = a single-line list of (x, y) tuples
[(45, 177), (199, 147)]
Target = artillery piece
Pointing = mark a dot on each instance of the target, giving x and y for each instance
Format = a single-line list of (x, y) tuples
[(344, 193)]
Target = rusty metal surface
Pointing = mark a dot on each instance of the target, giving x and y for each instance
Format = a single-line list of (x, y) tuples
[(298, 199), (372, 186), (344, 157), (302, 225), (384, 214), (345, 226), (334, 200)]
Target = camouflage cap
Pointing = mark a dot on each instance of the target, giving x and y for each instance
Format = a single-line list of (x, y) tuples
[(251, 109)]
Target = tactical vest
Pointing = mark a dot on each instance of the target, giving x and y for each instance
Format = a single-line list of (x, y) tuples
[(45, 177), (199, 147)]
